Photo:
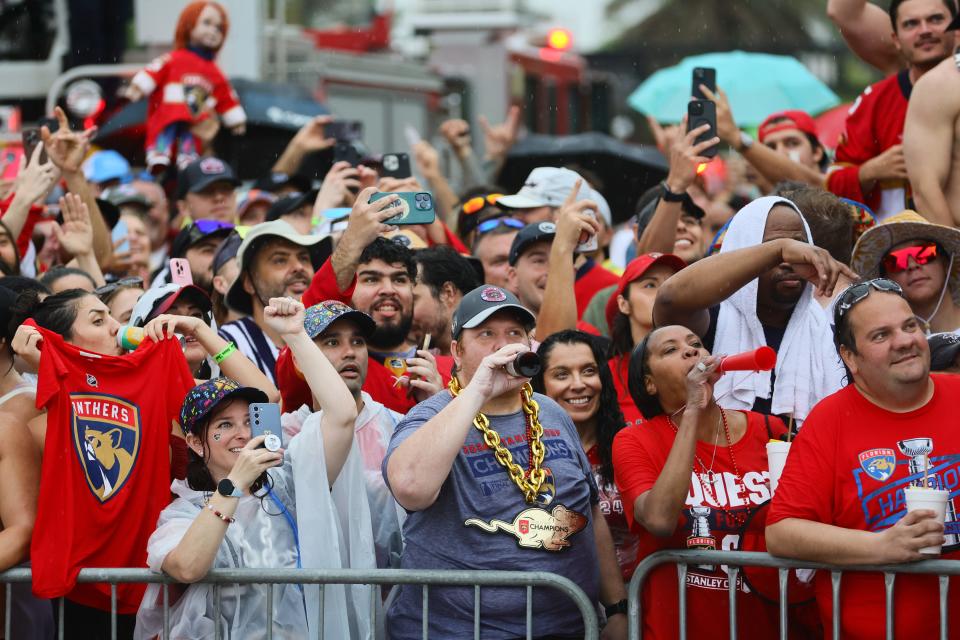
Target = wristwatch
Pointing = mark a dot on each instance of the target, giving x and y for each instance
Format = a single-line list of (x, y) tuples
[(746, 141), (228, 490), (611, 610), (670, 196)]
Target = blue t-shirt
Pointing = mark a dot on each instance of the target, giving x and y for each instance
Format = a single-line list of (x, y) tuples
[(479, 487)]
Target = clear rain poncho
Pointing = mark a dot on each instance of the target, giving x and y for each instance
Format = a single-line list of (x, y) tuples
[(334, 532)]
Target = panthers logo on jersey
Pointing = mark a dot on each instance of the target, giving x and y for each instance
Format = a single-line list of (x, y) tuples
[(106, 435)]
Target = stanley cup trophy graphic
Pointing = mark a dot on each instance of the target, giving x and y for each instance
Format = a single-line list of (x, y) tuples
[(700, 536), (918, 449)]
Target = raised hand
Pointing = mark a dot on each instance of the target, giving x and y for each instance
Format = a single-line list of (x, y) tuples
[(75, 235), (312, 136), (814, 265), (164, 326), (284, 315), (491, 378), (686, 156), (26, 344), (726, 126), (574, 224), (427, 159), (67, 149), (35, 179), (366, 218), (251, 462), (498, 139), (457, 134), (336, 186)]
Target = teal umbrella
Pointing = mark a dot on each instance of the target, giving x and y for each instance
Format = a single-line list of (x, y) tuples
[(757, 85)]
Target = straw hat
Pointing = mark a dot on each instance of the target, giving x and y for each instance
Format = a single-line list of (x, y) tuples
[(906, 225)]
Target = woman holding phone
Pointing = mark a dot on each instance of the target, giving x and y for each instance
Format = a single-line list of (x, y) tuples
[(244, 506)]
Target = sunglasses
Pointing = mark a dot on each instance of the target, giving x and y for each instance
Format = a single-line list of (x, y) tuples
[(209, 226), (897, 261), (854, 294), (113, 287), (473, 205), (489, 225)]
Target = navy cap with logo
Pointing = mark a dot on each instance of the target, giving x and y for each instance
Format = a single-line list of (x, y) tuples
[(227, 251), (200, 174), (289, 203), (483, 302), (278, 180), (533, 232), (321, 315)]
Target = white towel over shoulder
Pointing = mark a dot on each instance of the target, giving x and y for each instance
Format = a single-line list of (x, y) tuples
[(808, 368)]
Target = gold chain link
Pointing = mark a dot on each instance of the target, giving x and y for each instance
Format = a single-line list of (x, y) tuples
[(528, 483)]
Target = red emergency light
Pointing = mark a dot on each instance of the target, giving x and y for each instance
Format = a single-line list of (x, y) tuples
[(559, 39)]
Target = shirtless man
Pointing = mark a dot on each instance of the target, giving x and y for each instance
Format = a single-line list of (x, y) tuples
[(933, 161)]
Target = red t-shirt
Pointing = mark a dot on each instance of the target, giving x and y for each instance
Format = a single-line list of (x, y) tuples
[(619, 368), (591, 277), (625, 542), (874, 125), (713, 514), (106, 463), (848, 468)]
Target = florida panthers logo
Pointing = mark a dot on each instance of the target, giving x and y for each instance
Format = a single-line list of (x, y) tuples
[(106, 435), (878, 463)]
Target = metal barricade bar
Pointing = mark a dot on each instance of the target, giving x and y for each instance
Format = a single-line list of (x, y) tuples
[(270, 577), (737, 559)]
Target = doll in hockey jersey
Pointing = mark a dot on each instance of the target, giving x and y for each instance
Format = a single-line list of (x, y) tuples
[(185, 86)]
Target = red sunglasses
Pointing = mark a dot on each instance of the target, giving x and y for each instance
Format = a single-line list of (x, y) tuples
[(897, 261)]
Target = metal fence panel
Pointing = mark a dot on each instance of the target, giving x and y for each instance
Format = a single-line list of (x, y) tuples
[(476, 579)]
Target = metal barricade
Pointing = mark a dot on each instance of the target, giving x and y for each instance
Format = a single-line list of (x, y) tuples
[(476, 579), (737, 559)]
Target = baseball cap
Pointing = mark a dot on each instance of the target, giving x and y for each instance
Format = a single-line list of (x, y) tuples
[(226, 252), (200, 174), (635, 269), (533, 232), (197, 231), (320, 249), (290, 203), (106, 165), (251, 198), (321, 315), (545, 187), (791, 119), (943, 350), (278, 180), (158, 300), (483, 302), (126, 194), (204, 398)]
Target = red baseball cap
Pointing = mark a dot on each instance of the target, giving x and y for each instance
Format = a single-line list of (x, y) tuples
[(783, 120), (635, 270)]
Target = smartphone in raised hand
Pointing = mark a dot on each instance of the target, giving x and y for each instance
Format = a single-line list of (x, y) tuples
[(699, 113)]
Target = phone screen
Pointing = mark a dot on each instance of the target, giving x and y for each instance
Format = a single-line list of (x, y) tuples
[(31, 138)]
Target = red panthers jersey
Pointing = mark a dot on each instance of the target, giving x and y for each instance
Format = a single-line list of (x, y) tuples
[(106, 463)]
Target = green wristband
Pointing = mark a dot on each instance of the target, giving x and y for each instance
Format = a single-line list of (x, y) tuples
[(223, 355)]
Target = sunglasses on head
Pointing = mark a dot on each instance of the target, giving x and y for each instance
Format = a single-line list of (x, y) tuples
[(489, 225), (473, 205), (122, 283), (856, 293), (899, 260), (209, 226)]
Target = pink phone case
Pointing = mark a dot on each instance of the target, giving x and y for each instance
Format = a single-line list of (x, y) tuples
[(180, 272)]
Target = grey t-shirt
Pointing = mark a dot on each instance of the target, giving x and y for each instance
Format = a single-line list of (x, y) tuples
[(479, 487)]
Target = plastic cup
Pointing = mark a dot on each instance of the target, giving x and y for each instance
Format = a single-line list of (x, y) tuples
[(776, 457), (932, 499)]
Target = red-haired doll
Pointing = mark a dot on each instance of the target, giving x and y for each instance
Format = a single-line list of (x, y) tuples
[(184, 86)]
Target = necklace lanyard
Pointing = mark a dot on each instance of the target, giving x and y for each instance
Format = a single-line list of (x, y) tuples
[(290, 521)]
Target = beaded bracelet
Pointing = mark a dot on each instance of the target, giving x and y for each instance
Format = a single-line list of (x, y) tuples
[(226, 519), (223, 355)]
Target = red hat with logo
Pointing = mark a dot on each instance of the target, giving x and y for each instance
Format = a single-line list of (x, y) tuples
[(635, 269), (783, 120)]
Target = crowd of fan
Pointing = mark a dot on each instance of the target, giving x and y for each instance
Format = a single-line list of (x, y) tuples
[(408, 440)]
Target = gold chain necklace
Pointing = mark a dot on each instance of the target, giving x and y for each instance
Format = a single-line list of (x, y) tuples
[(528, 481)]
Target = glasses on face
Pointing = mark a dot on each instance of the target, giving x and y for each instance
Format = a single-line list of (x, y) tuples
[(108, 290), (899, 260), (209, 226), (856, 293), (473, 205), (489, 225)]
